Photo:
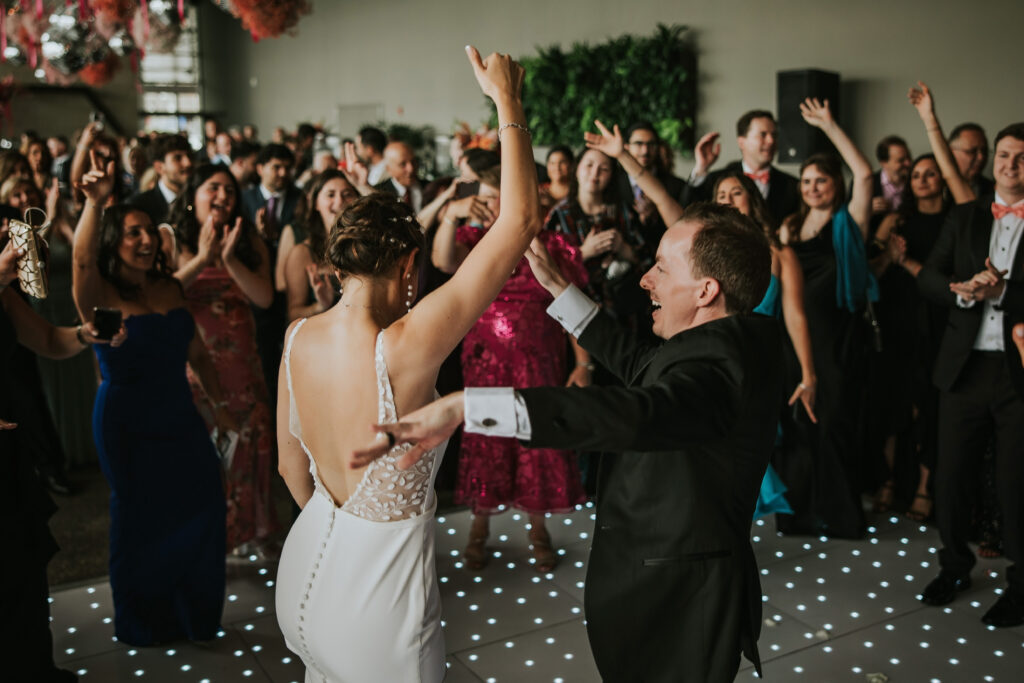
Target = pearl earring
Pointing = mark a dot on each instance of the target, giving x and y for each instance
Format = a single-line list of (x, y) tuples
[(408, 295)]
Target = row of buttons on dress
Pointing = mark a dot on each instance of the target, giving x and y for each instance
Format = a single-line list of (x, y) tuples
[(307, 655)]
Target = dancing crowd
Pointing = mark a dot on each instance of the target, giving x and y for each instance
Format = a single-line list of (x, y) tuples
[(897, 292)]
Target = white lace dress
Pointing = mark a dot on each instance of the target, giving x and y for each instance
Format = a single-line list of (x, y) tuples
[(357, 595)]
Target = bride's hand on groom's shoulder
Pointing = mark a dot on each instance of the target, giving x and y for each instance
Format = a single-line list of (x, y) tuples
[(425, 429)]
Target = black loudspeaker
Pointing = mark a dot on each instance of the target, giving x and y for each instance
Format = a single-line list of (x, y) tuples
[(797, 140)]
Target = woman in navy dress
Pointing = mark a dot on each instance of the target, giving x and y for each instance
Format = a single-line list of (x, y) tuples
[(167, 506)]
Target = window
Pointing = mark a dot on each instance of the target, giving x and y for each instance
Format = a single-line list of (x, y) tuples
[(170, 100)]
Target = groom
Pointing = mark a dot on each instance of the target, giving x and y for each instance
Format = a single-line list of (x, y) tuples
[(672, 591)]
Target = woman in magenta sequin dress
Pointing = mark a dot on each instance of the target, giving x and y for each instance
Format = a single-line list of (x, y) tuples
[(515, 343), (224, 266)]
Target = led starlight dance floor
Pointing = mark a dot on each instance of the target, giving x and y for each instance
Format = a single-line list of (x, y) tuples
[(834, 611)]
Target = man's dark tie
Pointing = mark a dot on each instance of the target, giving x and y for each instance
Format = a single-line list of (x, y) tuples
[(270, 220)]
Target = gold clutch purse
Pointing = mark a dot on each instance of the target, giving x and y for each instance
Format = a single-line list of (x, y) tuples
[(32, 264)]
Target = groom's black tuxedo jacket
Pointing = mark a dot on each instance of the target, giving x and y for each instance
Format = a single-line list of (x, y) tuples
[(672, 590), (958, 254)]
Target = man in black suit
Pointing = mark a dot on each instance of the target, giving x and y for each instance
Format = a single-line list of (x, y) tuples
[(889, 181), (274, 192), (970, 149), (976, 269), (643, 143), (672, 590), (401, 166), (172, 161), (755, 136), (271, 205)]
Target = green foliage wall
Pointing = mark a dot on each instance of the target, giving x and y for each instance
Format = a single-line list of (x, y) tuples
[(627, 79)]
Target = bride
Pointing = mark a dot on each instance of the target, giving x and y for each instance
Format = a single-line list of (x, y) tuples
[(357, 592)]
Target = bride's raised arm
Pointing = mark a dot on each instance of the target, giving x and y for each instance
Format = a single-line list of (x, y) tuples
[(442, 318)]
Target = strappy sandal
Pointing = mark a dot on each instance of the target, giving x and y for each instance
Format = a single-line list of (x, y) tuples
[(544, 557), (883, 498), (915, 512), (475, 554)]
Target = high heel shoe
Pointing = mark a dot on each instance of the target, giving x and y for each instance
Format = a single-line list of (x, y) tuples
[(544, 557)]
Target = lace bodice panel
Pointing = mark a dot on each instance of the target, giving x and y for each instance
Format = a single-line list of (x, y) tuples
[(385, 493)]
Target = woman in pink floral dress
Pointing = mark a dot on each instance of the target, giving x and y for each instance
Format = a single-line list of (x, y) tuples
[(515, 343), (224, 267)]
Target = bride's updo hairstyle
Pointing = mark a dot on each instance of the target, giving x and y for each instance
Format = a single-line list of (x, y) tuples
[(372, 236)]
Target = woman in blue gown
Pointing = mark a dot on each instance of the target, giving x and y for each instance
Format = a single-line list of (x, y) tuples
[(167, 507)]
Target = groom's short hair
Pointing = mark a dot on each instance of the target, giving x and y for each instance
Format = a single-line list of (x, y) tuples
[(731, 249)]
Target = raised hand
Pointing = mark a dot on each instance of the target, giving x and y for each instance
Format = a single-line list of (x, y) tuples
[(499, 75), (98, 184), (706, 153), (544, 268), (425, 429), (607, 141), (53, 199), (355, 170), (229, 241), (921, 98), (817, 113)]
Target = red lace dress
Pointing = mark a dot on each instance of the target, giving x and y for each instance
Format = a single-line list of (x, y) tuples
[(225, 322), (516, 344)]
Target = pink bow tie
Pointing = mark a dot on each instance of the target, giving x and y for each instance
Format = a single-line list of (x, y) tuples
[(760, 176), (998, 210)]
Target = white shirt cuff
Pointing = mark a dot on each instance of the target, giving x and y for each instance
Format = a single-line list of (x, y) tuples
[(697, 181), (496, 411), (573, 310), (964, 303)]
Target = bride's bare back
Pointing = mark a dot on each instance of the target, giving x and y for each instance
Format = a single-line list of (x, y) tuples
[(337, 391)]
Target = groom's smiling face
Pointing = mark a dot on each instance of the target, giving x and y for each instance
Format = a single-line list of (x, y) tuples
[(675, 290)]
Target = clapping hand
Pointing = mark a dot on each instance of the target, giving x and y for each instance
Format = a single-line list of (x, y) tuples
[(425, 429), (320, 283), (499, 75), (609, 142), (229, 240), (817, 113), (97, 184), (921, 98), (706, 153), (988, 284)]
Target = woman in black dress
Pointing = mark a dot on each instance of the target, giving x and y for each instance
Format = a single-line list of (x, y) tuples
[(820, 462)]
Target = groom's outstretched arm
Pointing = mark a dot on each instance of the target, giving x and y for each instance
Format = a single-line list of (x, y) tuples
[(693, 401)]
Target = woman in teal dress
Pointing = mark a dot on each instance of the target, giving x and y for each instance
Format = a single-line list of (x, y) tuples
[(784, 299)]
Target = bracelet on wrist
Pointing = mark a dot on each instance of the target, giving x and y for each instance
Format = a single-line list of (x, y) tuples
[(517, 126), (79, 337), (588, 366)]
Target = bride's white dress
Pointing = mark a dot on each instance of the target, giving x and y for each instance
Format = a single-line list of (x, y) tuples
[(357, 594)]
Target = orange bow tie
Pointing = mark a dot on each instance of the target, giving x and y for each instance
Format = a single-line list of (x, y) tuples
[(998, 210), (760, 176)]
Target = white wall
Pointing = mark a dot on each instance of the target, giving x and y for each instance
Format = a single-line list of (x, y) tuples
[(407, 55)]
